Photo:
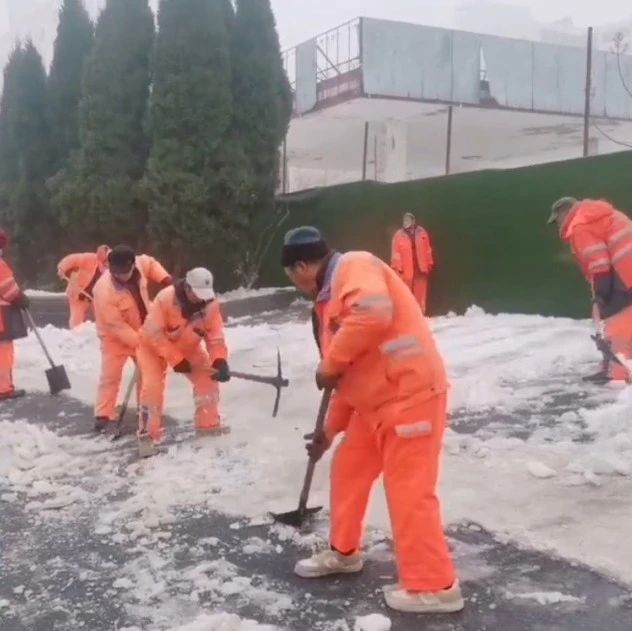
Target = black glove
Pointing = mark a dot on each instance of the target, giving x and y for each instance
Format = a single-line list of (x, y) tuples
[(183, 367), (318, 446), (222, 371), (326, 382), (21, 301)]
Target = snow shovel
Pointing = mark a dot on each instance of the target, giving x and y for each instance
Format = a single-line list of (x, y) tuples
[(123, 409), (277, 382), (56, 375), (298, 517)]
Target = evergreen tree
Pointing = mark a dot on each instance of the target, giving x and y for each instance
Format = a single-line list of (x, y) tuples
[(97, 194), (263, 104), (25, 162), (188, 180), (72, 47)]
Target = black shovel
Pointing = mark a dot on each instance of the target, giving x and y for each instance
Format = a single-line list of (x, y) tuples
[(298, 517), (56, 375)]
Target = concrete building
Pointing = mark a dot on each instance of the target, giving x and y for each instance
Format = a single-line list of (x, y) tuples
[(378, 100)]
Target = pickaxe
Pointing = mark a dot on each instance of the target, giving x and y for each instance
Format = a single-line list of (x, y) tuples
[(277, 382)]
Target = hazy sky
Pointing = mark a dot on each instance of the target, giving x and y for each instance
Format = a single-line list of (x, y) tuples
[(298, 20)]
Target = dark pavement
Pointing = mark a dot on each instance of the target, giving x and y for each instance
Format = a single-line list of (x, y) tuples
[(63, 572)]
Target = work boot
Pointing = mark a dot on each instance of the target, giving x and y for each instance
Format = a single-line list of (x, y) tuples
[(101, 424), (12, 394), (446, 601), (147, 445), (329, 562)]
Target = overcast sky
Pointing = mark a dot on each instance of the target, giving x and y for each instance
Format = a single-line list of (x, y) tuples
[(298, 20)]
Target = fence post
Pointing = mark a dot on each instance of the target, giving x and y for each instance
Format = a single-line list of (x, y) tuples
[(448, 147), (588, 90), (365, 150)]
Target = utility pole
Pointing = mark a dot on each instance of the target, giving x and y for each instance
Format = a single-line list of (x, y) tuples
[(588, 91)]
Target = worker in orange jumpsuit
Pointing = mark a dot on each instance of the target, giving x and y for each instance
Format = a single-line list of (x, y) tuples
[(600, 238), (12, 327), (184, 329), (411, 258), (390, 401), (81, 272), (121, 302)]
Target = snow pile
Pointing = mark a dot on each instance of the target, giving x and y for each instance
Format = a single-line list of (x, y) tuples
[(43, 466), (242, 293), (548, 598), (224, 622), (507, 448), (374, 622)]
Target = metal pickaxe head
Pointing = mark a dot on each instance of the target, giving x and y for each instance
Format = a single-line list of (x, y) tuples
[(281, 383)]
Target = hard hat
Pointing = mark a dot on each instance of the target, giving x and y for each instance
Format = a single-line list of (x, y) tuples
[(200, 280)]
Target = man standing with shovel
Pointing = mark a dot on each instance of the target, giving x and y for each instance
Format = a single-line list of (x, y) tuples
[(390, 401), (121, 302)]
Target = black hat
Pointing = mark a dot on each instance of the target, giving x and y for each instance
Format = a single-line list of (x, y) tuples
[(121, 259), (303, 244)]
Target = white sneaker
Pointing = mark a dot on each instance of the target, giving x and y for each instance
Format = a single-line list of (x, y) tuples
[(327, 563), (446, 601)]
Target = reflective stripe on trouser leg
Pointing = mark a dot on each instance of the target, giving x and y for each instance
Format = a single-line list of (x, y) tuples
[(355, 467), (112, 363), (7, 357), (411, 463), (205, 398), (618, 331), (153, 374)]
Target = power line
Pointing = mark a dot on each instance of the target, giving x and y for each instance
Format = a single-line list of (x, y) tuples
[(609, 137)]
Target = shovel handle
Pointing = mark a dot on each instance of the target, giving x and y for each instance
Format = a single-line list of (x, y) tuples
[(311, 465), (31, 322), (81, 291)]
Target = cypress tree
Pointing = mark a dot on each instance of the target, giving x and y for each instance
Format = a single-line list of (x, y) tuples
[(25, 162), (263, 103), (191, 110), (75, 36), (97, 194)]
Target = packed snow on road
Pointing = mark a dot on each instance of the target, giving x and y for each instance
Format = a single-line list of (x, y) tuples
[(533, 454)]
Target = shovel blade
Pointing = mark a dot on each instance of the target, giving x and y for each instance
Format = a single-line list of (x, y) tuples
[(296, 518), (57, 379)]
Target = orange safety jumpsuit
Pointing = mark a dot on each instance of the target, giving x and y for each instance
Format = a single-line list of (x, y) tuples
[(82, 271), (120, 310), (9, 292), (167, 338), (411, 258), (391, 404), (601, 240)]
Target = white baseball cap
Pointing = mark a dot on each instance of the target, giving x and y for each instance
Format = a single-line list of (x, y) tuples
[(200, 280)]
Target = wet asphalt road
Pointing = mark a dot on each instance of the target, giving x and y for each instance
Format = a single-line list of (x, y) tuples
[(57, 574)]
